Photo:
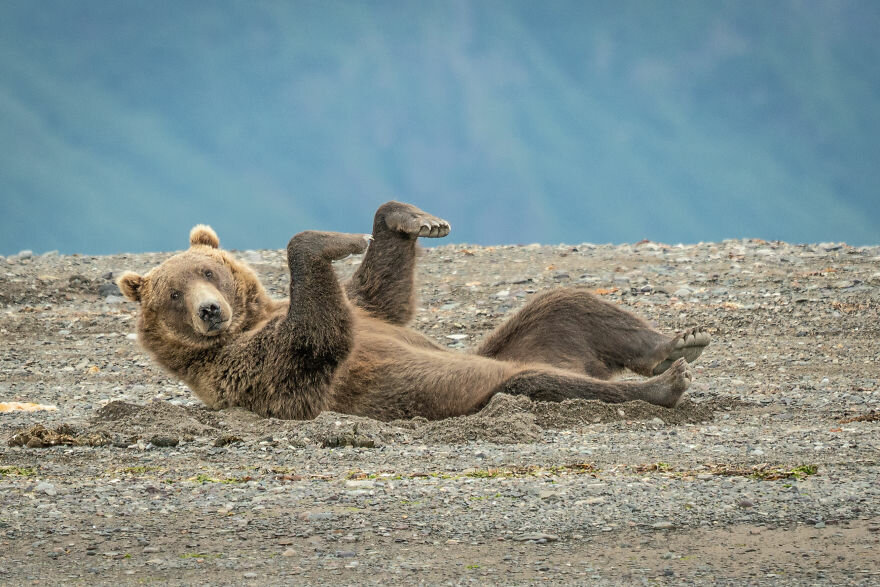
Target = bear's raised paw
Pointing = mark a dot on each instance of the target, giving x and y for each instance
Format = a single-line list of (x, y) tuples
[(410, 220)]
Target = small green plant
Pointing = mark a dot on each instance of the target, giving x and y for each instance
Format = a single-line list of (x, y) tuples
[(17, 471), (802, 471)]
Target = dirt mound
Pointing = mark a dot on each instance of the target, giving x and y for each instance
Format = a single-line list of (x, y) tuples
[(505, 420), (155, 419)]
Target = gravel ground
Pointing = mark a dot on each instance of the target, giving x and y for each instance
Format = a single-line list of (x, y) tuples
[(767, 473)]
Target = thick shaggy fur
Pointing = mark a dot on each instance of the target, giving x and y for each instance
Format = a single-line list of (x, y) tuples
[(206, 318)]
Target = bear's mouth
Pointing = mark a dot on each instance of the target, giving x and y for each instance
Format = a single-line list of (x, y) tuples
[(212, 327), (215, 327)]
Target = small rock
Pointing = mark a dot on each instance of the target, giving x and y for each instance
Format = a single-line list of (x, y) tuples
[(457, 336), (360, 484), (536, 536), (108, 289), (819, 525), (318, 516), (745, 503), (227, 439), (289, 552), (682, 291), (46, 488), (164, 441), (665, 525), (26, 254)]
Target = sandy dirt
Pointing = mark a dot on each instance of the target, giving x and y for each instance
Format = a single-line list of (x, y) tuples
[(766, 473)]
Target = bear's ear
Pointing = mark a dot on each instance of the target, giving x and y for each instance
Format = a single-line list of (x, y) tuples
[(202, 234), (130, 285)]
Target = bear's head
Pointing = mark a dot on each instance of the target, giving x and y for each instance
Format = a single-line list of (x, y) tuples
[(196, 299)]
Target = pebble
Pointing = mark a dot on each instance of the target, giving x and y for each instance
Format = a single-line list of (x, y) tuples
[(360, 484), (109, 289), (662, 525), (164, 441), (536, 536), (46, 488)]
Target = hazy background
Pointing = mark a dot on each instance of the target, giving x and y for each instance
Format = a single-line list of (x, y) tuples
[(124, 123)]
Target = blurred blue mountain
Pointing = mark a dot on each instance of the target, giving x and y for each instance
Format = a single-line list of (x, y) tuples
[(124, 123)]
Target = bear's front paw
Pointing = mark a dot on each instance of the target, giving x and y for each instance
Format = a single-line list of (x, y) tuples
[(332, 246), (410, 220)]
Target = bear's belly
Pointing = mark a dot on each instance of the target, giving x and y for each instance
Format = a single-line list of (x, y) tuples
[(394, 372)]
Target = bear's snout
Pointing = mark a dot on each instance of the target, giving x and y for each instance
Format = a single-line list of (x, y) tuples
[(210, 312)]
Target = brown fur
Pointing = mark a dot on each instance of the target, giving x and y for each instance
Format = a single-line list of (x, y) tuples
[(206, 318)]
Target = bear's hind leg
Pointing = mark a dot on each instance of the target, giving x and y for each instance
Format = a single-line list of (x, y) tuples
[(570, 328), (383, 285), (552, 385)]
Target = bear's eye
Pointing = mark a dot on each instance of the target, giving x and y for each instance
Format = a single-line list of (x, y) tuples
[(175, 295), (209, 274)]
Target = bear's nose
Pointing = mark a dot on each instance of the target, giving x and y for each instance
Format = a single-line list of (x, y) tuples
[(209, 311)]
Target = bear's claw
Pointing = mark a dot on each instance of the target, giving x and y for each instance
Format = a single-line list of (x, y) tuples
[(688, 345), (410, 220)]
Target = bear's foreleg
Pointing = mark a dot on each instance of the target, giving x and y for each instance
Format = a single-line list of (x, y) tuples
[(286, 370), (383, 285)]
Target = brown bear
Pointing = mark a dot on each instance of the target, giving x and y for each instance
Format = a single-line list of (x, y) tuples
[(205, 317)]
